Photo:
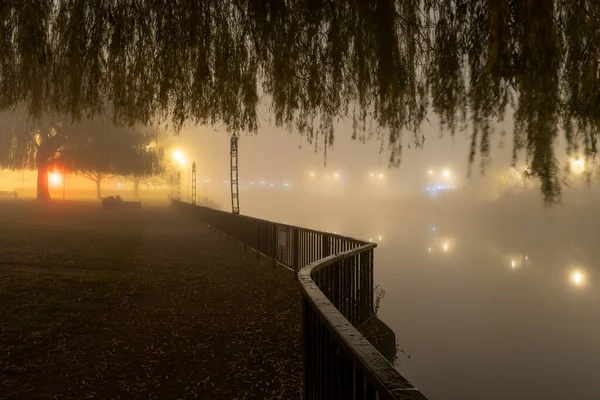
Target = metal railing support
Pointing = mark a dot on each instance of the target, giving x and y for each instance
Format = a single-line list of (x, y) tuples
[(337, 297)]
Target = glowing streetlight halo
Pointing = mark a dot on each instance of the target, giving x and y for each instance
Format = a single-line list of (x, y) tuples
[(577, 165), (577, 277), (179, 157), (55, 178)]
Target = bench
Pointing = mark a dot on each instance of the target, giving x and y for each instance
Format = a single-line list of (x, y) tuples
[(9, 193), (112, 201)]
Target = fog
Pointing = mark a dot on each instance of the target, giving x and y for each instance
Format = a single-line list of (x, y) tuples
[(492, 294)]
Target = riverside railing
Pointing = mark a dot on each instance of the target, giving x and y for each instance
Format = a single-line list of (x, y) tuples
[(336, 274)]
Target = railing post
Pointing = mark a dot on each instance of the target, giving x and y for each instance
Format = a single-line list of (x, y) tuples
[(325, 244), (271, 243), (295, 249)]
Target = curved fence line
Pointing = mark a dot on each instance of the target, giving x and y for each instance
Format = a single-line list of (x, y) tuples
[(336, 275)]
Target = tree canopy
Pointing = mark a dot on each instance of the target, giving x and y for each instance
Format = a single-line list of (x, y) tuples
[(99, 149), (386, 64), (92, 147)]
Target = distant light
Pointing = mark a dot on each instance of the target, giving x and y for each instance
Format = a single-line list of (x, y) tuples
[(272, 184), (430, 249), (446, 173), (312, 174), (252, 183), (381, 175), (526, 258), (151, 146), (371, 240), (433, 228), (577, 165), (118, 184), (430, 172), (445, 246), (578, 278), (433, 189), (263, 182), (380, 238), (286, 184), (513, 264), (206, 181), (336, 175), (371, 174), (179, 156), (55, 178)]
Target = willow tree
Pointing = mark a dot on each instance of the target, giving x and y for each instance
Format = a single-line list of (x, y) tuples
[(32, 143), (100, 150), (91, 147), (385, 64)]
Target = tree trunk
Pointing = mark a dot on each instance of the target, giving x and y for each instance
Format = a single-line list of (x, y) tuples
[(43, 193), (99, 186)]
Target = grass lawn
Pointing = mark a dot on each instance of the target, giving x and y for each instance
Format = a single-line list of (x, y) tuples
[(139, 304)]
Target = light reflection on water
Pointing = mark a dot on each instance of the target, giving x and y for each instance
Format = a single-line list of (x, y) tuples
[(470, 321), (475, 327)]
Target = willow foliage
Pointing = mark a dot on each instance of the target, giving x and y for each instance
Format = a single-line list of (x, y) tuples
[(384, 63)]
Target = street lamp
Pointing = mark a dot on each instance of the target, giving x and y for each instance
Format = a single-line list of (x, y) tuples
[(179, 157), (55, 178), (577, 165)]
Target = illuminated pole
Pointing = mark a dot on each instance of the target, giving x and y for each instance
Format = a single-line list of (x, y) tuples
[(64, 184), (233, 171)]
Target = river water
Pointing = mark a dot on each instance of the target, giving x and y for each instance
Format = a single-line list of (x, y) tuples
[(491, 300), (495, 307)]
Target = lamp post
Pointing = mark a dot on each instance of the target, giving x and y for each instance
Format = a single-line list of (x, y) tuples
[(179, 157)]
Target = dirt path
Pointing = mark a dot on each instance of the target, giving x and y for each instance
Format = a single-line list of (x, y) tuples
[(170, 309)]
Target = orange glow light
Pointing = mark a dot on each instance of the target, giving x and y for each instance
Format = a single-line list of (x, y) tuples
[(55, 178)]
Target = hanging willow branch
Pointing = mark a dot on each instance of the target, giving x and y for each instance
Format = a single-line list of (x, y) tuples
[(386, 61)]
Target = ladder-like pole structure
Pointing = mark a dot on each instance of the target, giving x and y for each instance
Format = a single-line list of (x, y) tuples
[(194, 182), (235, 200)]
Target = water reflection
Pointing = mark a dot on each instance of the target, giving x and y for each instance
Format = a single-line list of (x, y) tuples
[(518, 261), (535, 325), (442, 245)]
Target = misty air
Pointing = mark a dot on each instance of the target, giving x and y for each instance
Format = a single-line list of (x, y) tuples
[(247, 199)]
